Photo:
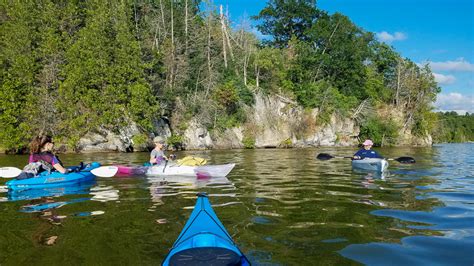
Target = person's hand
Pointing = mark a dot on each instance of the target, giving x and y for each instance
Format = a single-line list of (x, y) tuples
[(356, 157)]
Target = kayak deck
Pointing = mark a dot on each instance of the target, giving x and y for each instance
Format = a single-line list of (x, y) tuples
[(54, 179), (170, 169), (370, 164), (204, 240)]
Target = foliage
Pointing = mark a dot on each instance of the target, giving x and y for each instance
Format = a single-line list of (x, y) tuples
[(284, 19), (70, 67), (327, 98), (380, 131), (175, 140), (452, 127), (287, 143), (139, 139), (249, 142)]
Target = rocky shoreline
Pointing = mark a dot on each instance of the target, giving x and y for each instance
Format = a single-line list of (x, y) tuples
[(273, 123)]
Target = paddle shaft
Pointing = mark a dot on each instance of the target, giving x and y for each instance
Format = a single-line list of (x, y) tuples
[(404, 159)]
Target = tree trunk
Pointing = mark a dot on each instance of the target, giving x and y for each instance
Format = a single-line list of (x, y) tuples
[(227, 35), (208, 53), (186, 25), (223, 36), (398, 83), (257, 76), (172, 48), (163, 17)]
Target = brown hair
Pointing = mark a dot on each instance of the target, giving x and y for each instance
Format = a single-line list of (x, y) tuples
[(38, 143)]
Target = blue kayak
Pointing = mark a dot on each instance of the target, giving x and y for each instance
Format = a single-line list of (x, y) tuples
[(57, 191), (54, 179), (204, 240)]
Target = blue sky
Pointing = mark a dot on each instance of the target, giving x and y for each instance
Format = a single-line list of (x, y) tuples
[(439, 32)]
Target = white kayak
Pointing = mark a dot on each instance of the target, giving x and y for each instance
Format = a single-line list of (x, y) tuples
[(171, 169), (370, 164)]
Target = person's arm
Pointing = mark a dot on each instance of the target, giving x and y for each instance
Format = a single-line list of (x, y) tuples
[(153, 157), (58, 166), (358, 155)]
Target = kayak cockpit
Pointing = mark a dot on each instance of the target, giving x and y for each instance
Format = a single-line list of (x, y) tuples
[(207, 256)]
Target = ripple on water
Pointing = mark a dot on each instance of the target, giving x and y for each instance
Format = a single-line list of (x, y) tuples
[(414, 250)]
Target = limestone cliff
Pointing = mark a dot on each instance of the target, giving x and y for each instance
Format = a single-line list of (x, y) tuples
[(273, 121)]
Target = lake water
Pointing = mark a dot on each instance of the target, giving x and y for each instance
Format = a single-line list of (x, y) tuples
[(282, 207)]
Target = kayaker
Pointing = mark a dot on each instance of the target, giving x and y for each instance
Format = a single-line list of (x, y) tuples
[(42, 158), (157, 155), (366, 151)]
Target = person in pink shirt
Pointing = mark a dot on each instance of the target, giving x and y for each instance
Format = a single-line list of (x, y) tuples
[(41, 150)]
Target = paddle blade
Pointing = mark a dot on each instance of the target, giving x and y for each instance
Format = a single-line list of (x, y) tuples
[(9, 172), (324, 156), (105, 171), (405, 160)]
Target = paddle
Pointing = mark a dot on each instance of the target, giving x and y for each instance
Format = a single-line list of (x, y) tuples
[(9, 172), (403, 159), (325, 157), (105, 171), (166, 163)]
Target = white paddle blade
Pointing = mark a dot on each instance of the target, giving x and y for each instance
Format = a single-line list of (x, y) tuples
[(9, 172), (105, 171)]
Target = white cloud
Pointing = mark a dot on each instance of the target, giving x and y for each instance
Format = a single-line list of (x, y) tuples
[(388, 38), (444, 79), (460, 65), (455, 102)]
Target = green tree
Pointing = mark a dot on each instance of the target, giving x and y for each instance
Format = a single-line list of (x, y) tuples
[(284, 19), (18, 37)]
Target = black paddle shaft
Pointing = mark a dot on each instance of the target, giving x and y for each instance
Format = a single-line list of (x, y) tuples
[(325, 157), (403, 159)]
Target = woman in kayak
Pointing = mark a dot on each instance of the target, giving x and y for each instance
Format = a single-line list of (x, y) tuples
[(157, 155), (41, 150), (366, 152)]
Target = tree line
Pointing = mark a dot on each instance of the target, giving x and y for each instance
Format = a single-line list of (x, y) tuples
[(454, 128), (70, 67)]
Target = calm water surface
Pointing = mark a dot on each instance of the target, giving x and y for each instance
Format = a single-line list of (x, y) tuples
[(282, 207)]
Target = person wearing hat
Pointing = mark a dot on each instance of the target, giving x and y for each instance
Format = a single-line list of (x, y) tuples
[(157, 155), (366, 151)]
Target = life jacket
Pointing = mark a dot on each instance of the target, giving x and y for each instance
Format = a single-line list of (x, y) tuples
[(40, 162)]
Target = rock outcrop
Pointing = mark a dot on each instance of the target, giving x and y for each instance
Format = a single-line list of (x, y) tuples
[(273, 121)]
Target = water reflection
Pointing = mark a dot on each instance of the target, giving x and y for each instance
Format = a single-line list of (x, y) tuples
[(282, 207), (442, 234), (30, 194)]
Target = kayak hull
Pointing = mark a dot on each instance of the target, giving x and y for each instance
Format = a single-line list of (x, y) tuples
[(204, 240), (54, 179), (370, 164), (57, 191), (202, 171), (131, 170)]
